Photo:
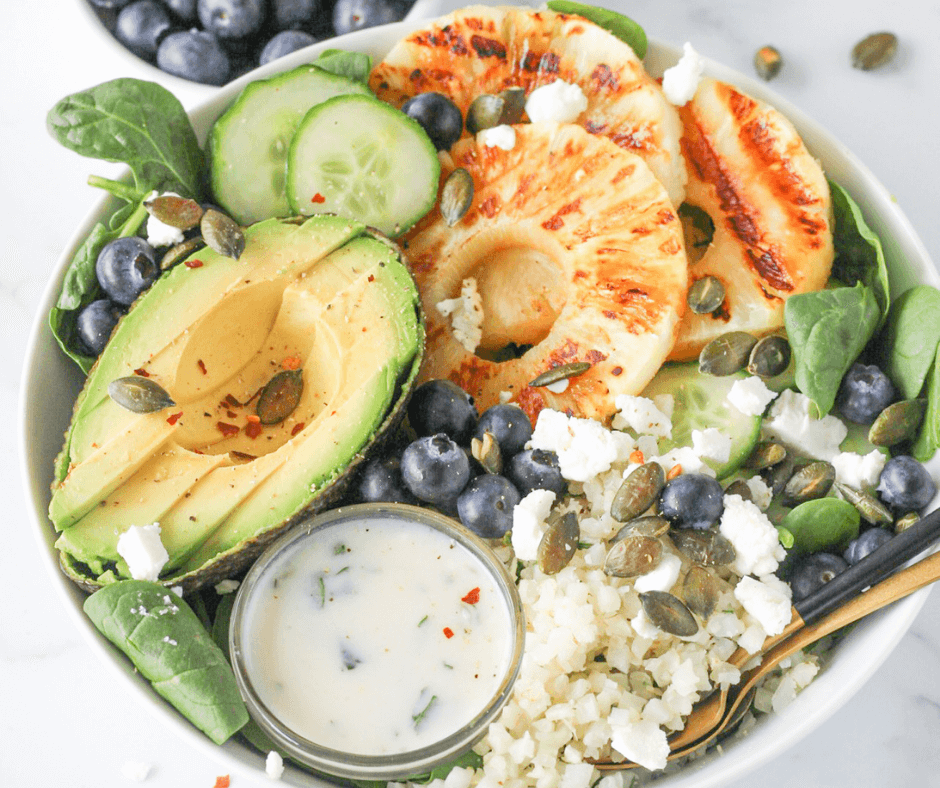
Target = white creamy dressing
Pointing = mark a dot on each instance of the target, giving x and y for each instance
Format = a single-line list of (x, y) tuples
[(367, 639)]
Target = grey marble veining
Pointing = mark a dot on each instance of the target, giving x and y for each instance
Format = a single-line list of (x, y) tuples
[(68, 721)]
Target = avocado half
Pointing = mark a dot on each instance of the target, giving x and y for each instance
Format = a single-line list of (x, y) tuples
[(328, 297)]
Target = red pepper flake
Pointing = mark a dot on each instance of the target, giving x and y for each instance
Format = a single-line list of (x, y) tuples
[(297, 428), (253, 418), (202, 366), (232, 401), (142, 372), (222, 782), (675, 470), (472, 597), (228, 430), (318, 198), (174, 418), (193, 263), (231, 414), (637, 457), (291, 362), (371, 277), (253, 429), (448, 633)]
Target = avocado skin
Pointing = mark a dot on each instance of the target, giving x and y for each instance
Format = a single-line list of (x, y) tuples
[(235, 561)]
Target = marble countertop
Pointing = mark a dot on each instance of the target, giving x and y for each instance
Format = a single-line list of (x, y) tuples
[(65, 722)]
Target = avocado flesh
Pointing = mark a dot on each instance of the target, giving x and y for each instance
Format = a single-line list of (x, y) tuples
[(348, 312)]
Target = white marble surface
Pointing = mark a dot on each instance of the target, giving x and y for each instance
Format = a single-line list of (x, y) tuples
[(65, 722)]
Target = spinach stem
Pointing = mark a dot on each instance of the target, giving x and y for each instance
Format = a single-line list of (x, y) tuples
[(118, 189)]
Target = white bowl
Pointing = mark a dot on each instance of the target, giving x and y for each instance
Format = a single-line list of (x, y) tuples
[(45, 418)]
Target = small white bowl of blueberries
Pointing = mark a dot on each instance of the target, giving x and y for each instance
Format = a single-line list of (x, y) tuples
[(214, 41)]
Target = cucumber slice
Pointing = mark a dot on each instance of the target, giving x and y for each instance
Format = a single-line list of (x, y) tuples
[(248, 144), (701, 401), (362, 158)]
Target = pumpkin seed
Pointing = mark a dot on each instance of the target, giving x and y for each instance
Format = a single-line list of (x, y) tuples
[(650, 525), (869, 507), (898, 422), (740, 487), (767, 62), (179, 212), (485, 112), (707, 547), (769, 357), (809, 482), (669, 613), (179, 252), (559, 373), (559, 544), (726, 354), (486, 451), (906, 521), (701, 591), (638, 492), (706, 295), (777, 475), (766, 454), (139, 394), (222, 234), (513, 105), (456, 196), (280, 397), (633, 556), (874, 51)]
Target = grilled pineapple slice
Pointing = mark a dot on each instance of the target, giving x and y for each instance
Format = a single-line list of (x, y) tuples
[(768, 198), (482, 49), (575, 249)]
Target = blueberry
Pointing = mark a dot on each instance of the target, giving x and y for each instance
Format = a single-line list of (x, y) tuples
[(109, 4), (351, 15), (867, 542), (125, 268), (141, 25), (905, 485), (381, 481), (94, 325), (435, 469), (864, 393), (284, 43), (231, 19), (195, 55), (812, 572), (537, 469), (442, 406), (438, 116), (184, 10), (692, 500), (486, 504), (293, 14), (509, 425)]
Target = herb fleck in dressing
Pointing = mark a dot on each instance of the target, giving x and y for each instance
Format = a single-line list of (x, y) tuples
[(377, 637)]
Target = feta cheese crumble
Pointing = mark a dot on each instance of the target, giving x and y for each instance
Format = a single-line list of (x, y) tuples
[(642, 416), (711, 444), (558, 101), (502, 136), (136, 771), (274, 765), (584, 447), (466, 314), (792, 421), (754, 538), (224, 587), (751, 396), (860, 471), (681, 81), (768, 600), (141, 548), (528, 523)]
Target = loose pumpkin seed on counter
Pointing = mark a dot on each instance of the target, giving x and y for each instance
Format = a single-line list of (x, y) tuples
[(874, 51)]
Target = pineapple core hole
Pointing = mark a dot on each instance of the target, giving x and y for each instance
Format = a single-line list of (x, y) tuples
[(522, 295)]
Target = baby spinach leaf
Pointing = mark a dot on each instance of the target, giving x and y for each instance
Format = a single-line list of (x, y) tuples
[(621, 26), (354, 65), (139, 123), (928, 440), (909, 340), (827, 331), (822, 524), (166, 642), (859, 256)]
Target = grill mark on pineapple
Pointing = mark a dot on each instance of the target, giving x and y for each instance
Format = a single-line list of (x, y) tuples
[(544, 63), (557, 221), (488, 47), (741, 218), (604, 77), (445, 38)]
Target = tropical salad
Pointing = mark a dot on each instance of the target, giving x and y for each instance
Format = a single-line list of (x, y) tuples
[(622, 327)]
